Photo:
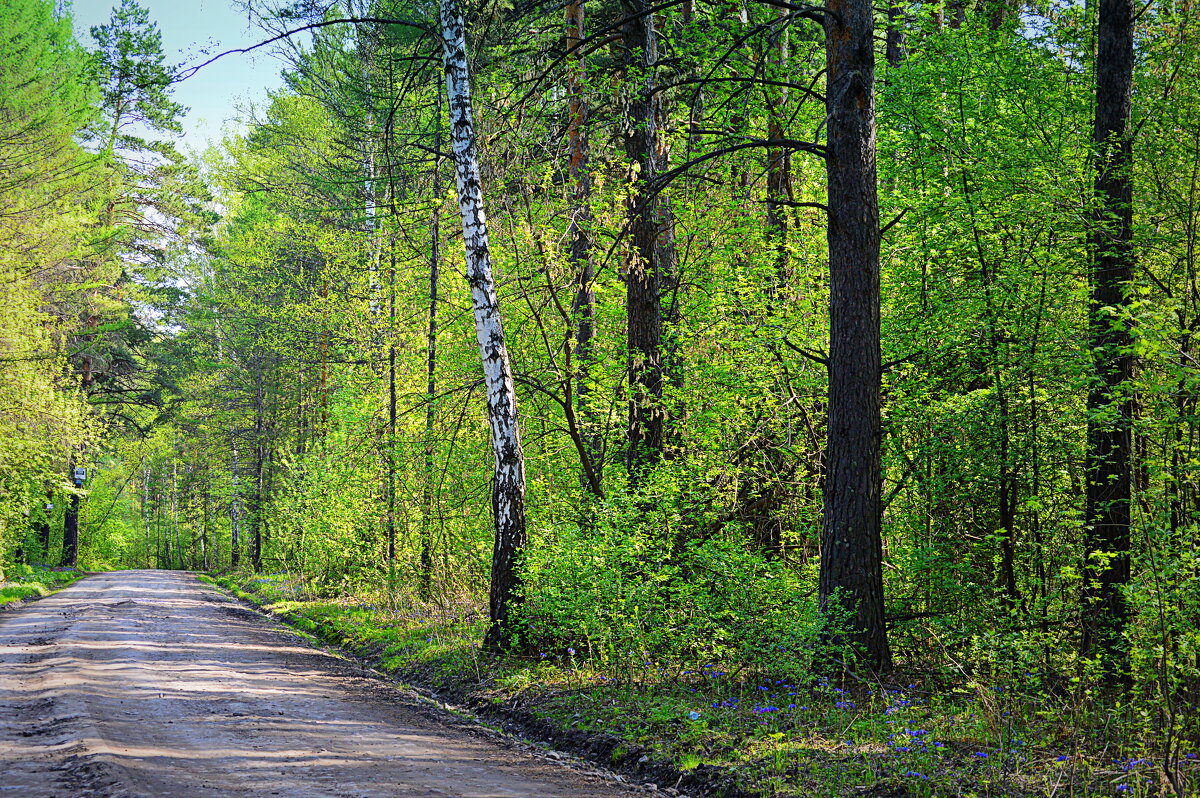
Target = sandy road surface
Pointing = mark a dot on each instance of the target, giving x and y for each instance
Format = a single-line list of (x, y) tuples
[(150, 683)]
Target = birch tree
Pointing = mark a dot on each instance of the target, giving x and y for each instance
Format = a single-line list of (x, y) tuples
[(508, 490)]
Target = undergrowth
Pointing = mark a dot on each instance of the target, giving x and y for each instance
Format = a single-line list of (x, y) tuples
[(920, 734), (33, 581)]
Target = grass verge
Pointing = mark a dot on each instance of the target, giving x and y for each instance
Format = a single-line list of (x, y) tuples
[(29, 582), (720, 730)]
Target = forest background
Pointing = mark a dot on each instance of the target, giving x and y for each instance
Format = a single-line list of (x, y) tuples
[(821, 470)]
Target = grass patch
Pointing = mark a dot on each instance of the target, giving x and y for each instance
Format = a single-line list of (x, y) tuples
[(927, 735), (34, 581)]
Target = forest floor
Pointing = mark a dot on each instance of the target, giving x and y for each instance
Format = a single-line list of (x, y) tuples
[(723, 729), (149, 683)]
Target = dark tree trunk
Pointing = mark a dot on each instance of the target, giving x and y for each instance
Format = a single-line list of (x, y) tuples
[(584, 305), (392, 409), (70, 544), (70, 547), (1110, 407), (43, 533), (1007, 506), (897, 44), (235, 510), (435, 260), (696, 101), (958, 13), (205, 563), (43, 528), (851, 540), (999, 12), (779, 159), (648, 218), (508, 490), (258, 500)]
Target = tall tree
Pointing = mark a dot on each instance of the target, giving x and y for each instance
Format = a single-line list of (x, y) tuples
[(48, 193), (584, 304), (896, 39), (508, 489), (779, 159), (135, 83), (431, 338), (649, 230), (151, 196), (851, 571), (1110, 404)]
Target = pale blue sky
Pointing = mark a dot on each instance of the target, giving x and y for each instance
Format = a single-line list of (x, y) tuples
[(192, 32)]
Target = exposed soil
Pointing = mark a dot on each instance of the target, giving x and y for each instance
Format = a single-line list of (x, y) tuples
[(520, 717), (149, 683)]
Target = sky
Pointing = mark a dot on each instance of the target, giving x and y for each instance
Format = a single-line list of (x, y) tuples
[(192, 32)]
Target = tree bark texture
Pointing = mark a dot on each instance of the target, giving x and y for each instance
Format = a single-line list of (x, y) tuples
[(508, 494), (1110, 405), (648, 219), (87, 378), (998, 12), (851, 539)]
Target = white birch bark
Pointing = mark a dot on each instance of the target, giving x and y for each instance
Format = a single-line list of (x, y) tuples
[(508, 495)]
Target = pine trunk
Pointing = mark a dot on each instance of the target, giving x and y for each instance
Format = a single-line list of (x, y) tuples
[(851, 572), (644, 274), (43, 528), (1110, 406), (70, 544), (897, 44)]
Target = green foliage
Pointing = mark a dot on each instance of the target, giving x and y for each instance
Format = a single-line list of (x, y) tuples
[(47, 187), (22, 582), (1014, 735), (268, 407), (619, 595), (133, 76)]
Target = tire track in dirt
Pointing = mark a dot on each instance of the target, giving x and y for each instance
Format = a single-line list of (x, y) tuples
[(149, 683)]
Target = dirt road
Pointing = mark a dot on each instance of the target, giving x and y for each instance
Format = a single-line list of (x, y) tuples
[(150, 683)]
